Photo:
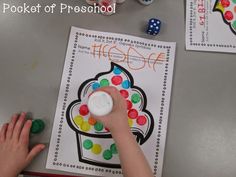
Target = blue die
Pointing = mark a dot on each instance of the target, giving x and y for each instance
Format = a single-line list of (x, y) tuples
[(154, 26)]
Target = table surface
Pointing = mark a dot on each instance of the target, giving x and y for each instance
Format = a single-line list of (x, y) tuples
[(201, 139)]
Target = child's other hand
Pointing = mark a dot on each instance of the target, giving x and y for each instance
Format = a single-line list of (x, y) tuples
[(14, 146), (116, 121)]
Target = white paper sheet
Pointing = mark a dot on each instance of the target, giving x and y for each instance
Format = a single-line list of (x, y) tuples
[(139, 66), (211, 25)]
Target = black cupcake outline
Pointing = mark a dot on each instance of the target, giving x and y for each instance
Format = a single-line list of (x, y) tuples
[(139, 136)]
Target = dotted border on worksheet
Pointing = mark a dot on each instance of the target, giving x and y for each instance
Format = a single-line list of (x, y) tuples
[(201, 44), (64, 104)]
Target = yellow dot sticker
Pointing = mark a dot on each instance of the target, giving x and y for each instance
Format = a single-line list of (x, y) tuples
[(78, 120), (96, 149), (220, 7), (85, 126), (130, 122)]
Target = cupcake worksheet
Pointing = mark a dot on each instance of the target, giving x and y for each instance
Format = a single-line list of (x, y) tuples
[(211, 25), (141, 70)]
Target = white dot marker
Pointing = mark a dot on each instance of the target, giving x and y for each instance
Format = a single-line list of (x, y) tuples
[(100, 103)]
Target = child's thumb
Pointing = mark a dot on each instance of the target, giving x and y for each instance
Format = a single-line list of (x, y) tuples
[(35, 151)]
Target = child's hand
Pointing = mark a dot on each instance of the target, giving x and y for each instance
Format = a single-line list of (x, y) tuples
[(116, 121), (14, 151)]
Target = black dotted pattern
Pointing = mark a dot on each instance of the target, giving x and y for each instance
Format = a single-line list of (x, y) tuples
[(198, 44), (163, 101), (64, 105)]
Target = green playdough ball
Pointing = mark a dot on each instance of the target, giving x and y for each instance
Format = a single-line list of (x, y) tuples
[(37, 126)]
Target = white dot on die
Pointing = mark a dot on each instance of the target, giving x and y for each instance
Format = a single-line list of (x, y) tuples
[(157, 27), (158, 22), (151, 26), (152, 21), (154, 24)]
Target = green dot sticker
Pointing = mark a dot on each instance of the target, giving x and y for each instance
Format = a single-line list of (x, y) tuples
[(104, 83), (234, 24), (107, 154), (87, 144), (37, 126), (98, 126), (113, 149), (135, 98)]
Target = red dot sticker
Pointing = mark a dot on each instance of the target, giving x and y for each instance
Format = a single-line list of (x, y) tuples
[(83, 110), (225, 3), (133, 113), (228, 15), (129, 104), (107, 129), (124, 93), (141, 120), (116, 80)]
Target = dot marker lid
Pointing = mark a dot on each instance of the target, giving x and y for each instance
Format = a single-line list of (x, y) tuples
[(100, 103)]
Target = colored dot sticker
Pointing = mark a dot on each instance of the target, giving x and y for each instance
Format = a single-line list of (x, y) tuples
[(87, 144), (225, 3), (83, 110), (96, 149), (104, 83), (220, 7), (135, 98), (78, 120), (130, 122), (98, 126), (116, 80), (129, 104), (113, 149), (126, 84), (85, 126), (234, 23), (228, 15), (107, 154), (133, 113), (92, 121), (141, 120), (124, 93), (95, 86), (117, 71)]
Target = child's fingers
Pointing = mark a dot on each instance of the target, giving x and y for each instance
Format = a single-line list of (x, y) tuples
[(24, 135), (35, 151), (18, 126), (11, 126), (3, 132)]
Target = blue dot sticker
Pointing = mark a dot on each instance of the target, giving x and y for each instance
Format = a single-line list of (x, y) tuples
[(117, 71), (126, 84), (95, 85)]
